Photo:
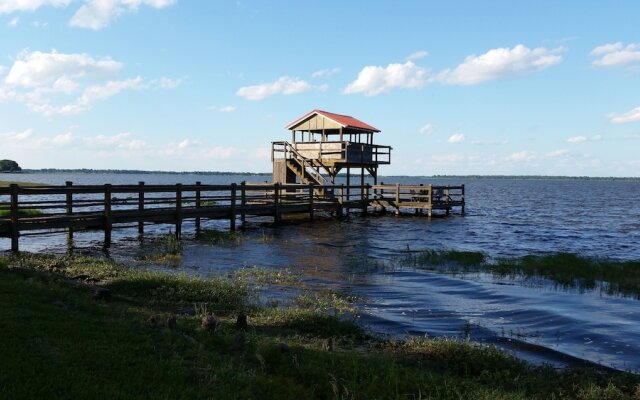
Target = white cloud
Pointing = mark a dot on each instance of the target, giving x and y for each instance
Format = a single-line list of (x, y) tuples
[(10, 6), (427, 129), (13, 23), (616, 54), (119, 141), (557, 153), (219, 152), (325, 72), (64, 84), (417, 55), (284, 85), (63, 139), (629, 116), (577, 139), (13, 137), (582, 139), (97, 14), (456, 138), (500, 63), (227, 109), (165, 83), (521, 156), (373, 80), (38, 68)]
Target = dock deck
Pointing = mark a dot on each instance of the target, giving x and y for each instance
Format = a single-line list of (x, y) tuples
[(26, 210)]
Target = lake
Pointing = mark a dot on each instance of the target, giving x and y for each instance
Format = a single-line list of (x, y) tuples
[(533, 318)]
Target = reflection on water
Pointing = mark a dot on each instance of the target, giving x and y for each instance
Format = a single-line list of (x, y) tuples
[(505, 218)]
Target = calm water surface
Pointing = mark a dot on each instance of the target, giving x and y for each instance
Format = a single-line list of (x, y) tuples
[(505, 217)]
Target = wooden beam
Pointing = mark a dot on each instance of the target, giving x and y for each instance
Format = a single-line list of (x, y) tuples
[(15, 230)]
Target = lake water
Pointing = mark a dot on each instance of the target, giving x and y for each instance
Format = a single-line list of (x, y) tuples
[(505, 217)]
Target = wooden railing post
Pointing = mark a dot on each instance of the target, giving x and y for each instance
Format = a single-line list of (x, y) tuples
[(107, 215), (178, 210), (69, 198), (232, 214), (141, 207), (198, 204), (430, 204), (340, 199), (15, 230), (276, 203), (311, 201), (243, 201)]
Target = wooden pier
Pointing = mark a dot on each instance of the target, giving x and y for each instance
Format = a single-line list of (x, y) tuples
[(32, 210)]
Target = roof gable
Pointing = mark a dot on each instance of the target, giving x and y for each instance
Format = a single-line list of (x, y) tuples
[(343, 120)]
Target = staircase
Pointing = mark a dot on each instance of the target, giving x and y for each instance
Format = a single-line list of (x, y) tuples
[(307, 170)]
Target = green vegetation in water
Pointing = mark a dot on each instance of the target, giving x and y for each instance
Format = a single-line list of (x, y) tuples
[(5, 211), (20, 183), (167, 250), (147, 340), (233, 238), (442, 257), (269, 276), (566, 269), (575, 271)]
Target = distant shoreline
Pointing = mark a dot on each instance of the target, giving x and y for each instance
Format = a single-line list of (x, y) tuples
[(143, 172)]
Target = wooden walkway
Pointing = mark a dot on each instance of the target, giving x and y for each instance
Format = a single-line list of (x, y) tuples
[(26, 210)]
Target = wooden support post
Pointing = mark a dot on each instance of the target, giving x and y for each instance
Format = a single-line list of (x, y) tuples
[(397, 199), (348, 188), (430, 197), (365, 203), (178, 210), (15, 230), (384, 209), (69, 198), (276, 203), (243, 201), (340, 200), (362, 203), (232, 214), (446, 198), (107, 215), (141, 207), (311, 201), (198, 204), (462, 198)]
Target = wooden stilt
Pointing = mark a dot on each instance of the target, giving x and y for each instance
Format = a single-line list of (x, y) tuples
[(107, 216), (141, 207)]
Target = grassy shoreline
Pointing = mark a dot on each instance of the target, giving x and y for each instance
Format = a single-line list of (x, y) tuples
[(80, 327)]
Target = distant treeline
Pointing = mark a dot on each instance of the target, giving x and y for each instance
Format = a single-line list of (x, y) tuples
[(550, 177), (137, 172)]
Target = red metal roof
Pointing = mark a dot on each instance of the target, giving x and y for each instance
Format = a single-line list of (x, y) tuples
[(344, 120)]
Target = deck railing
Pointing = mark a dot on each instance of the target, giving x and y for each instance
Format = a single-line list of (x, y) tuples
[(27, 210)]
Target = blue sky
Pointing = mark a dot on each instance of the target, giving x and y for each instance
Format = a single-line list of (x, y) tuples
[(464, 87)]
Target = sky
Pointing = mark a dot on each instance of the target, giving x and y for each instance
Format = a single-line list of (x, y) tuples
[(458, 87)]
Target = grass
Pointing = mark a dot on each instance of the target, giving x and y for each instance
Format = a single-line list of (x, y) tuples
[(268, 276), (59, 341), (9, 183), (5, 211), (441, 257), (576, 271), (566, 269), (216, 237), (167, 250)]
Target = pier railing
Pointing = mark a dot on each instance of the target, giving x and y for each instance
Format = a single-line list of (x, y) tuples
[(28, 210)]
